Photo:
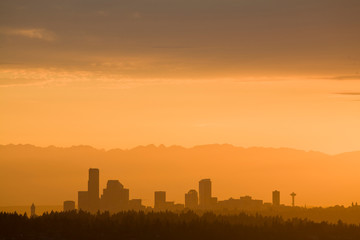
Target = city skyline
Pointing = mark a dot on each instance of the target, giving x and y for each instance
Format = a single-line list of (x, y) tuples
[(115, 198), (132, 165)]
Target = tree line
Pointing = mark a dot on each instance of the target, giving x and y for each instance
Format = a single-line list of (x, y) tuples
[(168, 225)]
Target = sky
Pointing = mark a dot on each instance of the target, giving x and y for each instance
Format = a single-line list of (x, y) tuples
[(121, 73)]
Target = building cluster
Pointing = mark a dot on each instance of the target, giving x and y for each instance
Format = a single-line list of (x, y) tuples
[(115, 198)]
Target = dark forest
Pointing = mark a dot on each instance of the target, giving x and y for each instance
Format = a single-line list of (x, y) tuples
[(168, 225)]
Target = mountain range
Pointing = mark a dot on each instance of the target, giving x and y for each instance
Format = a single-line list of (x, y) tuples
[(50, 175)]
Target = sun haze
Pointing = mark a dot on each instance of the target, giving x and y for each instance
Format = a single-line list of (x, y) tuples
[(120, 74)]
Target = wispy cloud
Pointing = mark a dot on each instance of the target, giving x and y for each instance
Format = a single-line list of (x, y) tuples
[(349, 93), (352, 96), (349, 77), (42, 77), (34, 33)]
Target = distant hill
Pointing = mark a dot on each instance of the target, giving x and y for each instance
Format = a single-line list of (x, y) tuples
[(50, 175)]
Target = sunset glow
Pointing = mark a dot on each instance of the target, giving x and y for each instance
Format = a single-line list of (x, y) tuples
[(145, 99)]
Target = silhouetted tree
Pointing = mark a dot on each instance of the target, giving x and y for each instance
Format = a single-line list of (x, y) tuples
[(168, 225)]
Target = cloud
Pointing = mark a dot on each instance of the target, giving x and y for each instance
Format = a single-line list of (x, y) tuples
[(34, 33), (349, 77), (42, 77), (186, 39), (349, 93)]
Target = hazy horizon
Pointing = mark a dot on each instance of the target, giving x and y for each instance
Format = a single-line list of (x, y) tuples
[(310, 114), (30, 172), (235, 106), (173, 145)]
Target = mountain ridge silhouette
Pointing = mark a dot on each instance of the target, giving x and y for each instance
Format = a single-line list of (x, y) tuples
[(162, 146), (29, 172)]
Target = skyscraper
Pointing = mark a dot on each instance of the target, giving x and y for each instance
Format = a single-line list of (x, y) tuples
[(276, 198), (69, 206), (83, 201), (135, 204), (32, 210), (205, 194), (93, 190), (115, 197), (125, 197), (191, 199), (160, 200), (89, 200)]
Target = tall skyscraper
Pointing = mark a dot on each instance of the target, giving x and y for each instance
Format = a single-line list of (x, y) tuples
[(191, 199), (205, 194), (160, 200), (93, 190), (276, 198)]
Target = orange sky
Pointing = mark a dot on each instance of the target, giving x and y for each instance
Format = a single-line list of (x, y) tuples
[(118, 74), (124, 73), (304, 114)]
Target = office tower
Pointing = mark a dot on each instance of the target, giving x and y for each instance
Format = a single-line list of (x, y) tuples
[(83, 203), (276, 198), (93, 190), (69, 206), (160, 200), (135, 204), (205, 194), (213, 202), (114, 198), (247, 202), (32, 210), (191, 199), (125, 197)]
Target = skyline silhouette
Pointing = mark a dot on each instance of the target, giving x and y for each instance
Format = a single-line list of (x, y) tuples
[(272, 168), (115, 198)]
